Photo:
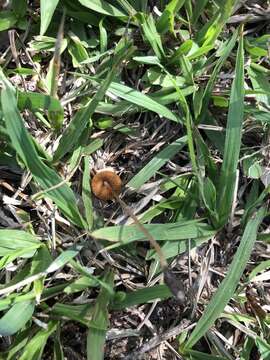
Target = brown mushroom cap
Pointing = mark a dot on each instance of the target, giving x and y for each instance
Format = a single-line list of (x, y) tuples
[(105, 184)]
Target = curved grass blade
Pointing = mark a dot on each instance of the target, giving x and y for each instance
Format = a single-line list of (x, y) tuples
[(47, 8), (140, 99), (16, 317), (102, 7), (46, 177), (166, 20), (150, 32), (229, 284), (211, 30), (34, 348), (11, 240)]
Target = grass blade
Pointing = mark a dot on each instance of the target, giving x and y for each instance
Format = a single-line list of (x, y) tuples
[(86, 193), (141, 296), (149, 29), (140, 99), (189, 229), (34, 348), (99, 322), (16, 317), (11, 240), (229, 284), (102, 7), (23, 144), (47, 8), (156, 163), (233, 139), (210, 85), (72, 133)]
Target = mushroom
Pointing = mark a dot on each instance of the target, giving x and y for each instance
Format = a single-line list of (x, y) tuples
[(106, 184)]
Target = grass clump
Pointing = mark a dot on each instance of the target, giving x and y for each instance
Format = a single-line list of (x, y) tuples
[(174, 97)]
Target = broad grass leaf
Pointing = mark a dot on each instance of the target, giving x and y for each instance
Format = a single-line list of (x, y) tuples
[(99, 322), (36, 101), (79, 313), (13, 240), (166, 20), (135, 97), (228, 286), (103, 7), (35, 347), (7, 20), (14, 254), (233, 139), (62, 260), (80, 284), (16, 317), (47, 8), (141, 296), (45, 176), (187, 229)]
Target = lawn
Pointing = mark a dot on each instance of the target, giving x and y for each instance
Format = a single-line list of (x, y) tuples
[(134, 179)]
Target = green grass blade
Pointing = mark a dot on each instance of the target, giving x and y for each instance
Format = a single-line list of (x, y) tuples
[(34, 348), (7, 20), (23, 144), (233, 139), (70, 137), (86, 193), (16, 317), (36, 101), (140, 296), (210, 85), (62, 260), (198, 9), (211, 30), (47, 8), (102, 7), (156, 163), (140, 99), (11, 240), (150, 32), (227, 287), (99, 323), (166, 20), (260, 83), (127, 7), (188, 229)]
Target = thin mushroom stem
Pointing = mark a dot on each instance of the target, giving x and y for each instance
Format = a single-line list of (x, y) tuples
[(150, 238)]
